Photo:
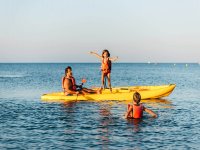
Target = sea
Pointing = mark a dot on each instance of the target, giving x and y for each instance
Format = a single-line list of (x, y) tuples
[(27, 122)]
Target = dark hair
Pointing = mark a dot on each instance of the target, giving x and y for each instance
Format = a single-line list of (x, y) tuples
[(104, 51), (137, 97), (66, 69)]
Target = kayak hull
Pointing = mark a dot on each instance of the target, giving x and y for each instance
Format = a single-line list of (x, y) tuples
[(118, 93)]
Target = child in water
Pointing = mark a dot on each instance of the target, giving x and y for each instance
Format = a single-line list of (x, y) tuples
[(106, 63), (135, 111)]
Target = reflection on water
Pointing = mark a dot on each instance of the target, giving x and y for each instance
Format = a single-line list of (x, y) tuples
[(69, 105), (69, 118), (136, 124), (105, 121), (159, 103)]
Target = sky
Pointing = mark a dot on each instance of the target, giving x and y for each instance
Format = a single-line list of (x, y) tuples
[(67, 30)]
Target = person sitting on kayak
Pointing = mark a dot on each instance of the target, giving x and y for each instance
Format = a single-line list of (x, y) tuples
[(106, 63), (135, 111), (69, 85)]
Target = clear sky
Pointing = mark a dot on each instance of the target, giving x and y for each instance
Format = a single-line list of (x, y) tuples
[(66, 30)]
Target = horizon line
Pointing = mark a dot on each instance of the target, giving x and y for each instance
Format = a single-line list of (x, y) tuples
[(100, 62)]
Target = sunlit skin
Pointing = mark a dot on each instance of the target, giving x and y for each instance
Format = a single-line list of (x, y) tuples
[(67, 85)]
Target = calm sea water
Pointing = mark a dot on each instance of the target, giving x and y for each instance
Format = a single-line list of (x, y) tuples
[(26, 122)]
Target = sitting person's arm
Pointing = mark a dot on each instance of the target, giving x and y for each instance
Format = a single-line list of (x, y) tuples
[(63, 80), (153, 114)]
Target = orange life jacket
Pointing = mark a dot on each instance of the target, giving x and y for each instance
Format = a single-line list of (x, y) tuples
[(73, 83), (138, 111), (106, 66)]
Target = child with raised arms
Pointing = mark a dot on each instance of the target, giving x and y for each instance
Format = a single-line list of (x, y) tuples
[(106, 65)]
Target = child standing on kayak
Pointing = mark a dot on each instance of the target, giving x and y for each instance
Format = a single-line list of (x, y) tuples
[(135, 111), (106, 63)]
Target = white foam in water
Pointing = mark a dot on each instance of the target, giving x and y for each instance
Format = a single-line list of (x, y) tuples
[(13, 76)]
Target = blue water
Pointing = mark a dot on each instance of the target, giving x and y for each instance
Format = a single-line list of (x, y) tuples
[(26, 122)]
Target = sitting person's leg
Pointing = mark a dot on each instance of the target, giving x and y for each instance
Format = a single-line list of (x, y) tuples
[(90, 91)]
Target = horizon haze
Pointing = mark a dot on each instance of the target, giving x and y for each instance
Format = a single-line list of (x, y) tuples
[(66, 31)]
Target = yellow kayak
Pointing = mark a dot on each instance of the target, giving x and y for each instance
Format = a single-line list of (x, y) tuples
[(118, 93)]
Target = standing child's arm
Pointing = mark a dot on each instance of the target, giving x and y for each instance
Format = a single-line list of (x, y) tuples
[(95, 54), (114, 58), (153, 114)]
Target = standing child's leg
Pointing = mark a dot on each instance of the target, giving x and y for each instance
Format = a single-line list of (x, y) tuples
[(102, 80), (109, 82), (91, 91)]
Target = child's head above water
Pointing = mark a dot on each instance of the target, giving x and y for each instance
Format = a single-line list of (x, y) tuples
[(105, 52), (136, 97)]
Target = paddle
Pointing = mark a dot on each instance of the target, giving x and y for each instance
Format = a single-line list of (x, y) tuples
[(80, 87)]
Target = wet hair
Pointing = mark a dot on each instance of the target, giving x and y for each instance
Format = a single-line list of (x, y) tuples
[(104, 51), (136, 97), (66, 69)]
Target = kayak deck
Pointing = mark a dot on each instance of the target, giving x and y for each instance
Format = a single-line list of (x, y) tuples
[(118, 93)]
